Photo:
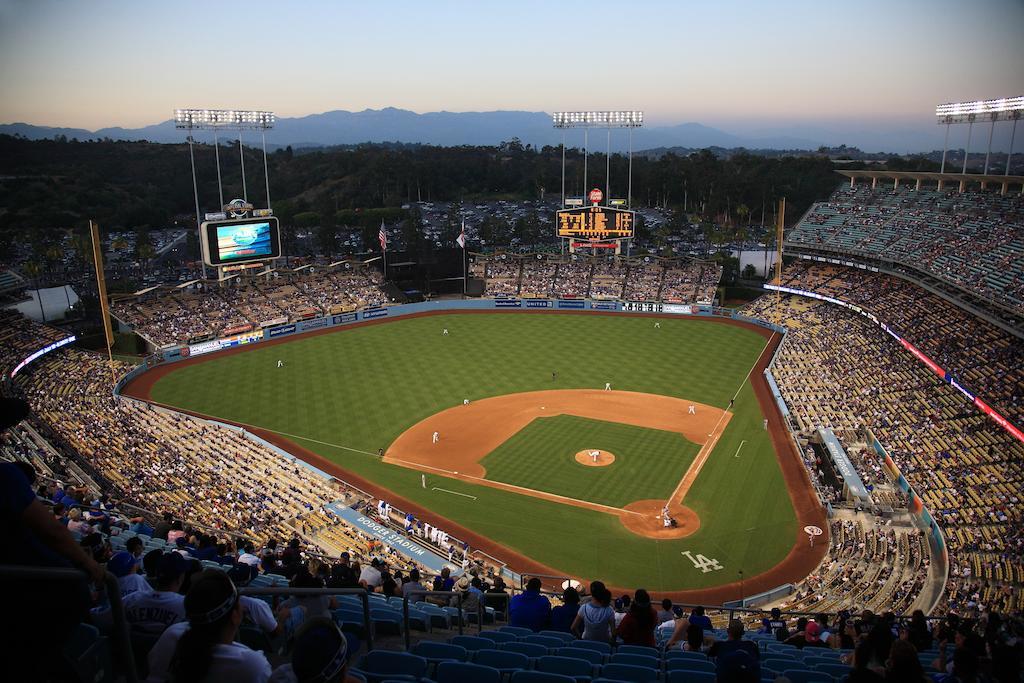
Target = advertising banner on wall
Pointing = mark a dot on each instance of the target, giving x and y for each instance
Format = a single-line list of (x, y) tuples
[(370, 313), (343, 318), (278, 331), (312, 324), (537, 303), (571, 303), (506, 303)]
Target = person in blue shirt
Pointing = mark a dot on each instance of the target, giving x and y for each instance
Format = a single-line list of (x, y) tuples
[(563, 615), (698, 618), (530, 609)]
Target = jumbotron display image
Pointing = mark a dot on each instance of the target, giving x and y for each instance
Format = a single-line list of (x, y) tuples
[(249, 240)]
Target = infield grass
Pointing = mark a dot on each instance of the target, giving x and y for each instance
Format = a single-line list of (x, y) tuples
[(356, 389), (542, 456)]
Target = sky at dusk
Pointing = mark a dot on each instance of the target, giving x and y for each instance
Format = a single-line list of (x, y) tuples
[(738, 65)]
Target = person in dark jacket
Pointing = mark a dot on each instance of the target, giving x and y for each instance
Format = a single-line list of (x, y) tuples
[(563, 615), (530, 609)]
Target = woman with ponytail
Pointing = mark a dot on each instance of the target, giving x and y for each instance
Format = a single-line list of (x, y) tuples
[(203, 648)]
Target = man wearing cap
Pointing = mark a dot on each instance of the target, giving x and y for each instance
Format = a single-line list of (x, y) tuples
[(125, 567), (151, 613), (812, 635)]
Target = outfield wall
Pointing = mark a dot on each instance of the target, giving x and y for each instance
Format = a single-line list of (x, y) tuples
[(181, 351)]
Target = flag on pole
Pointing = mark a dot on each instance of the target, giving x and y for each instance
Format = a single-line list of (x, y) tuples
[(383, 237), (461, 239)]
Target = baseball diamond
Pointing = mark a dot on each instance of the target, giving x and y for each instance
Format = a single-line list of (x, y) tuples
[(511, 448)]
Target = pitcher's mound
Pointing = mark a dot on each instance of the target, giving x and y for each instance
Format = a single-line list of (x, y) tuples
[(601, 459), (644, 518)]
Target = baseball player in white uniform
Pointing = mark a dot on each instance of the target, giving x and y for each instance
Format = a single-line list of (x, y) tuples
[(437, 437)]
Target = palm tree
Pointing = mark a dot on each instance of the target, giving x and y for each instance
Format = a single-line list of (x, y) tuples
[(146, 253), (33, 269), (82, 246)]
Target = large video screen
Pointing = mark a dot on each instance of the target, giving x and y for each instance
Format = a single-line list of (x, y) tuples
[(595, 223), (240, 241)]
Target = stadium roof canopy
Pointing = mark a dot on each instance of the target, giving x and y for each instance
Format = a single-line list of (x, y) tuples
[(943, 178)]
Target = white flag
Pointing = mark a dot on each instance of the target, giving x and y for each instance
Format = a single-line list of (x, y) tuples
[(461, 239)]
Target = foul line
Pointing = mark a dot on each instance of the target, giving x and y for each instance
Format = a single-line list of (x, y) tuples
[(454, 493), (705, 452), (543, 495)]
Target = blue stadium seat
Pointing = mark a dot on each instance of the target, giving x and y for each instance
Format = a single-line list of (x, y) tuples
[(807, 676), (592, 656), (547, 641), (419, 620), (639, 650), (379, 664), (386, 621), (632, 674), (540, 677), (499, 636), (561, 635), (779, 664), (602, 647), (504, 661), (690, 665), (837, 670), (578, 669), (635, 660), (471, 643), (516, 630), (459, 672), (531, 650), (690, 677), (685, 654), (435, 652)]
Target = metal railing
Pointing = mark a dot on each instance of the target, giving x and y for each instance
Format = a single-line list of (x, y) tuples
[(459, 595), (123, 641)]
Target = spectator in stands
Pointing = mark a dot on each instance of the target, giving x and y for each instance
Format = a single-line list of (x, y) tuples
[(596, 619), (32, 537), (125, 567), (248, 555), (163, 527), (342, 575), (735, 658), (176, 532), (863, 670), (637, 627), (412, 583), (918, 633), (903, 665), (665, 613), (493, 597), (150, 614), (371, 578), (204, 647), (470, 598), (812, 635), (442, 582), (322, 654), (76, 524), (563, 615), (314, 605), (530, 609), (775, 624), (698, 617)]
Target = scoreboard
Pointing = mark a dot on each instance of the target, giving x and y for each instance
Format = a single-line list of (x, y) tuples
[(595, 223)]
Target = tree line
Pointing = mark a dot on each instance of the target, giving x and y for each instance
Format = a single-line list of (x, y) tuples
[(52, 186)]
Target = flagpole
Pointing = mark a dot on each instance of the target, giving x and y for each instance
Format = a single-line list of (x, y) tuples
[(463, 258)]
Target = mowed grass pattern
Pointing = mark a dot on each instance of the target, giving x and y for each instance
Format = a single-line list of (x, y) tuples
[(359, 388), (648, 462)]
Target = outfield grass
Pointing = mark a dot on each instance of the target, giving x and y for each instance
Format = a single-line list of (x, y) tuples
[(359, 388), (648, 462)]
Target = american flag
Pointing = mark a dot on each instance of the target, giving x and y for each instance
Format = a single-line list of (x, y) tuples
[(461, 239), (383, 237)]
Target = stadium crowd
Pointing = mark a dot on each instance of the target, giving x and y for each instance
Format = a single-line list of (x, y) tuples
[(167, 317), (837, 369), (972, 239), (669, 280)]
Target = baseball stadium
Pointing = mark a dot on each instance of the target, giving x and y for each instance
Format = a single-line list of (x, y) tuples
[(590, 458)]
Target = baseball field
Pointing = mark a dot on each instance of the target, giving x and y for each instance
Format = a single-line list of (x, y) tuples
[(559, 438)]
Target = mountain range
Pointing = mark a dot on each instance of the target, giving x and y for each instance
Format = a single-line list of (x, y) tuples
[(490, 128)]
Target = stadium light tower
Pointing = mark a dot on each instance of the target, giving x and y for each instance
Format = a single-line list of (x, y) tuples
[(1002, 109), (230, 119), (599, 119)]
